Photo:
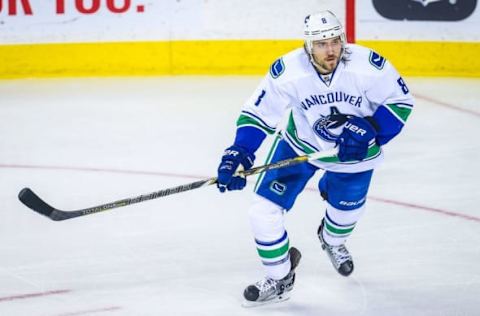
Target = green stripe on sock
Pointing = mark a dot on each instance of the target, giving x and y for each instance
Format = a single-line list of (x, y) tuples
[(269, 254), (338, 231)]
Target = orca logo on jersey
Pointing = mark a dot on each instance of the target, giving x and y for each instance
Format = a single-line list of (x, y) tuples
[(330, 127)]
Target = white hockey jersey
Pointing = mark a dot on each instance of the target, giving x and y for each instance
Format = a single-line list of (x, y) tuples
[(358, 86)]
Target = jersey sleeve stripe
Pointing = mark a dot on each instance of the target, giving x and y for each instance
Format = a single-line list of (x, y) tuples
[(399, 111), (258, 119), (404, 105), (247, 119)]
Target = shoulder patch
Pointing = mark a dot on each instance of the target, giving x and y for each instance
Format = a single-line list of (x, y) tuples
[(376, 60), (277, 68)]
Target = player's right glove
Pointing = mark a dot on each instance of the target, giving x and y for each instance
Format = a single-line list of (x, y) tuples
[(355, 138), (232, 158)]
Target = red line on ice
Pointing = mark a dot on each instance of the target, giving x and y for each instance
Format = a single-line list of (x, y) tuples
[(32, 295), (406, 204), (418, 207), (109, 170), (447, 105), (426, 208)]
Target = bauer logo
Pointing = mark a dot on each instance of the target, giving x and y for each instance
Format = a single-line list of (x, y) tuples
[(425, 10), (352, 203)]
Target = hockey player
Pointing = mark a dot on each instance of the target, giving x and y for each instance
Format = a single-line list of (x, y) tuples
[(335, 95)]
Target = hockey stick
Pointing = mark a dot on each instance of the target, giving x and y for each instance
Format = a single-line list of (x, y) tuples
[(31, 200)]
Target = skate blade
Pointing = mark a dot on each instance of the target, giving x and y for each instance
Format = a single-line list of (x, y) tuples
[(276, 299)]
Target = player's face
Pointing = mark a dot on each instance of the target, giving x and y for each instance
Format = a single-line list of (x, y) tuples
[(327, 53)]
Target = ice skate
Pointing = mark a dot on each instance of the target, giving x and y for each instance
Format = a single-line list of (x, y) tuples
[(269, 290), (341, 259)]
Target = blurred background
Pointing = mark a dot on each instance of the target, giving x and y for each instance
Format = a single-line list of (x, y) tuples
[(213, 37)]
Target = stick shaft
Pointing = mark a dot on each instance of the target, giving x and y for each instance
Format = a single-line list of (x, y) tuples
[(34, 202)]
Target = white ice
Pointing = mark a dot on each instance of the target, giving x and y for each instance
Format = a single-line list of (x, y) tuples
[(84, 142)]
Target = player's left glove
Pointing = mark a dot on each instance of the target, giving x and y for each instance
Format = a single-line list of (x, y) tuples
[(232, 158), (355, 138)]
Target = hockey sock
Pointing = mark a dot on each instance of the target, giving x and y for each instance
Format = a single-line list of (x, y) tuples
[(339, 224), (271, 238)]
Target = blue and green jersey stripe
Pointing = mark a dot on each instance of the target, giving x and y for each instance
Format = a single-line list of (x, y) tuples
[(250, 119)]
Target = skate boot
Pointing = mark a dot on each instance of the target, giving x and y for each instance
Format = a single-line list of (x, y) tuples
[(269, 290), (341, 259)]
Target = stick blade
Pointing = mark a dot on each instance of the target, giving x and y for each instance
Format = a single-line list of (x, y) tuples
[(31, 200)]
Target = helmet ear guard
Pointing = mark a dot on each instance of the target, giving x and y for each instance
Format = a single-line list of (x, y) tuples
[(321, 26)]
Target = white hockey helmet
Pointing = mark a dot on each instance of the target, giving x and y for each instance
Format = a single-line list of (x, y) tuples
[(320, 26)]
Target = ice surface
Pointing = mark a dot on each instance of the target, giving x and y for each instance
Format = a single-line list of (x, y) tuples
[(83, 142)]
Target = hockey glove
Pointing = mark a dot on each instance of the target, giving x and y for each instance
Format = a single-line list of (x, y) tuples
[(233, 158), (355, 138)]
